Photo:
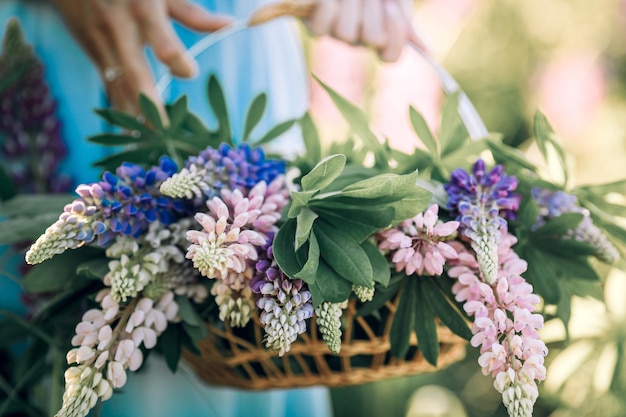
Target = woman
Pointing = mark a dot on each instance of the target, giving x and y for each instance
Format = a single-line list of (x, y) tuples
[(265, 59)]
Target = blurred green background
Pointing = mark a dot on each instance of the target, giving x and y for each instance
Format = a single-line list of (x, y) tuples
[(567, 57)]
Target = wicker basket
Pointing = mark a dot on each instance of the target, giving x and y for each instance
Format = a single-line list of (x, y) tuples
[(237, 357), (239, 361)]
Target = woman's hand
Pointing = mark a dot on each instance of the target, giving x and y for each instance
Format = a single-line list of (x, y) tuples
[(383, 25), (114, 32)]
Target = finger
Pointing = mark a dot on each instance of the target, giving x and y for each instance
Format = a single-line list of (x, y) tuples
[(373, 30), (196, 17), (136, 77), (348, 24), (324, 17), (397, 32), (157, 31)]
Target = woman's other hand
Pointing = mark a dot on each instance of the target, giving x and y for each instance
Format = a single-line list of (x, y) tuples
[(114, 33), (384, 25)]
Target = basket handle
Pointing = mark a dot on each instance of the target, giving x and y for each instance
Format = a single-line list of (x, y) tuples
[(302, 9)]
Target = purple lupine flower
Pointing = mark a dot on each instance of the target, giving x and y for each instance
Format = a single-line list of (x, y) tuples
[(32, 146), (554, 203), (123, 204), (482, 201), (285, 303), (239, 168)]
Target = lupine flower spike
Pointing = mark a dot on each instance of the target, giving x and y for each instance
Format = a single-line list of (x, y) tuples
[(329, 323), (207, 174), (285, 303), (419, 245), (554, 203), (505, 325), (123, 204), (482, 201)]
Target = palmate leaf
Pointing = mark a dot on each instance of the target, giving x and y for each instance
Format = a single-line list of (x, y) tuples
[(324, 173), (359, 123), (311, 266), (440, 303), (423, 132), (547, 141), (275, 132)]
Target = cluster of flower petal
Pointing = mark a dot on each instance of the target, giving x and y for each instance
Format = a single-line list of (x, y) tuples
[(77, 225), (285, 303), (107, 343), (227, 239), (505, 326), (482, 201), (328, 316), (419, 244), (363, 293), (554, 203), (138, 262), (123, 204), (239, 168), (32, 146), (234, 297)]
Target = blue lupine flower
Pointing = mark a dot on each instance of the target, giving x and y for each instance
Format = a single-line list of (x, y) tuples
[(482, 201), (124, 203), (225, 167), (554, 203)]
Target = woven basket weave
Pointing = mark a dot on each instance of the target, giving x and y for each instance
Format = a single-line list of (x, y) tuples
[(244, 362)]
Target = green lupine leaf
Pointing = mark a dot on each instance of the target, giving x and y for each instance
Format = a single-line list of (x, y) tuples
[(505, 154), (284, 249), (177, 112), (545, 137), (343, 254), (254, 115), (309, 270), (324, 173), (187, 313), (94, 269), (149, 109), (28, 205), (330, 285), (570, 267), (125, 120), (275, 132), (112, 139), (59, 272), (170, 345), (305, 221), (311, 138), (144, 156), (299, 199), (403, 321), (380, 267), (565, 247), (610, 187), (21, 229), (218, 104), (351, 174), (528, 211), (445, 310), (541, 274), (377, 216), (423, 131), (425, 326), (359, 123), (7, 188), (355, 229), (558, 226), (449, 121)]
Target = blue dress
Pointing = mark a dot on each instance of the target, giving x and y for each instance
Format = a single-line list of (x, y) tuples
[(261, 59)]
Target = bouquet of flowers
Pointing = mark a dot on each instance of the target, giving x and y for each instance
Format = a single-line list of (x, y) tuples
[(198, 231)]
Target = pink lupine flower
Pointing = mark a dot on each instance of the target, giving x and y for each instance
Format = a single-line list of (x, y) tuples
[(418, 244), (505, 325), (226, 241)]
